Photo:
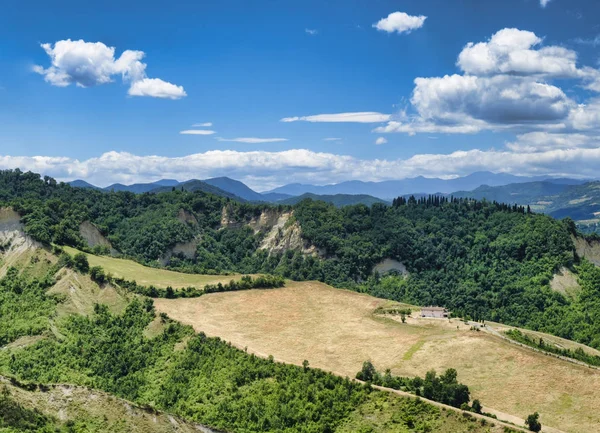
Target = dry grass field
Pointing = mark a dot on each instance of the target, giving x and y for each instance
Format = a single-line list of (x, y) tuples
[(336, 330), (144, 275)]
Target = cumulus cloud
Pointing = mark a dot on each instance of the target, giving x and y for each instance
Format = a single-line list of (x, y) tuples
[(202, 125), (400, 22), (197, 132), (514, 51), (359, 117), (332, 139), (585, 117), (506, 84), (156, 88), (311, 32), (88, 64), (459, 99), (264, 170), (544, 3), (252, 140), (381, 140)]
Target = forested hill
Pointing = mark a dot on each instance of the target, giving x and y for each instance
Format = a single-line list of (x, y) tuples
[(337, 200), (480, 259)]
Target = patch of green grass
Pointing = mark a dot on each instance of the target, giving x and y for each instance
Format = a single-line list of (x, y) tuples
[(144, 275), (412, 350)]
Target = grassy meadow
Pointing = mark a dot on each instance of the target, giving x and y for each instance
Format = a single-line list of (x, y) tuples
[(144, 275), (336, 330)]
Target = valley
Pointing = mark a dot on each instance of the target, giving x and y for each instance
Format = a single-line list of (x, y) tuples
[(62, 403), (300, 216), (69, 318)]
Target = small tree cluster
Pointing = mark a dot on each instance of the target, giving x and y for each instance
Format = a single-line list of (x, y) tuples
[(444, 389)]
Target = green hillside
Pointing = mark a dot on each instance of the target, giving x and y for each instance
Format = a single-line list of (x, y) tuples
[(159, 364), (581, 203), (198, 185), (480, 259), (337, 200)]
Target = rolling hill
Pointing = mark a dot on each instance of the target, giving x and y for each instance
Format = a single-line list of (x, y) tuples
[(338, 200), (140, 188), (222, 186), (198, 185), (131, 369), (579, 202), (236, 188)]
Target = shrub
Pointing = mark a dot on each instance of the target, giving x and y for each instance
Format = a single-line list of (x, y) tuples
[(80, 263), (533, 422)]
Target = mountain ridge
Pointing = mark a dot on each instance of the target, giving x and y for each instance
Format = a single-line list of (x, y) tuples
[(418, 185)]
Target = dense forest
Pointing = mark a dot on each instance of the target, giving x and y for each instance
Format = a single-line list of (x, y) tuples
[(482, 260)]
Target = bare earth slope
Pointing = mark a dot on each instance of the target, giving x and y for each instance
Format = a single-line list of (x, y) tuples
[(100, 411), (336, 330)]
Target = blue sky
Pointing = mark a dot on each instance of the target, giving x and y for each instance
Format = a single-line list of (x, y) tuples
[(523, 101)]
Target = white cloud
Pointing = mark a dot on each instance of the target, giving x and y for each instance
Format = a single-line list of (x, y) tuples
[(332, 139), (202, 125), (541, 141), (465, 104), (418, 126), (263, 170), (513, 51), (400, 22), (359, 117), (252, 140), (585, 117), (88, 64), (197, 132), (544, 3), (156, 88), (381, 140), (311, 32), (506, 85), (595, 41)]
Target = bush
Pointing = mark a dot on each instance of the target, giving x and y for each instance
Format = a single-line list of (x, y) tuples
[(97, 274), (533, 422), (80, 263)]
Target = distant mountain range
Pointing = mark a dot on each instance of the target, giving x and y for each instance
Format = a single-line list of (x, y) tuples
[(390, 189), (578, 202), (386, 190), (559, 197)]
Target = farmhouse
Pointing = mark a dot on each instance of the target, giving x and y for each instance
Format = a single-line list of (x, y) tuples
[(440, 312)]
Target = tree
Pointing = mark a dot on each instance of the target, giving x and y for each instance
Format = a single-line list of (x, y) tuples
[(533, 422), (97, 274), (305, 365), (477, 406), (80, 263), (367, 373)]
